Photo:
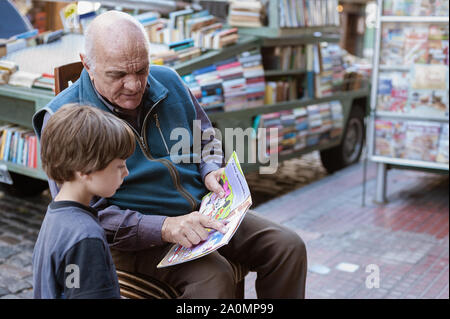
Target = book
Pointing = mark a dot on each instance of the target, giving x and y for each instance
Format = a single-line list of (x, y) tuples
[(232, 209)]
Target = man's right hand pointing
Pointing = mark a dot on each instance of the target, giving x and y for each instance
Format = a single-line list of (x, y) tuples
[(189, 230)]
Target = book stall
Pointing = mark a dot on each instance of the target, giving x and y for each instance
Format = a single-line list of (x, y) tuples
[(268, 64), (410, 89)]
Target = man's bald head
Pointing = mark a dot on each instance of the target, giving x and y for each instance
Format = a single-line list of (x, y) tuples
[(117, 58), (113, 30)]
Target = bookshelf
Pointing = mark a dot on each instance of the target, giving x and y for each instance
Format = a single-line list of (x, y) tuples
[(275, 33), (283, 20), (409, 117)]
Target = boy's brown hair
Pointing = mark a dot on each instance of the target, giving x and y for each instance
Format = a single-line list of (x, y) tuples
[(81, 138)]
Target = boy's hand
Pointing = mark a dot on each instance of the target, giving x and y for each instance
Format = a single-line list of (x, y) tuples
[(190, 229), (212, 182)]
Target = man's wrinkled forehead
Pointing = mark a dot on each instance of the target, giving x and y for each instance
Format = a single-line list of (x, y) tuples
[(123, 55)]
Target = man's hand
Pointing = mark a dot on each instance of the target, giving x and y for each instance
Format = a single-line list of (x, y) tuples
[(212, 182), (189, 230)]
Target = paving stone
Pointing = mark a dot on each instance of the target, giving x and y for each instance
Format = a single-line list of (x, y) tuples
[(6, 251), (3, 291)]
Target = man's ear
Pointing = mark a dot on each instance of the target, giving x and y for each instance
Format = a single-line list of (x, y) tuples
[(86, 66)]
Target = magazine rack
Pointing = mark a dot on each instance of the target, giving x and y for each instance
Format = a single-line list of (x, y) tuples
[(399, 117)]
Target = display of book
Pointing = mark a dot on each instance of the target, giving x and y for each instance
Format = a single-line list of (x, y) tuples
[(18, 145), (308, 13), (301, 127), (231, 84), (204, 30)]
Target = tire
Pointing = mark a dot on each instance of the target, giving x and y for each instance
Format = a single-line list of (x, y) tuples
[(349, 151), (26, 186)]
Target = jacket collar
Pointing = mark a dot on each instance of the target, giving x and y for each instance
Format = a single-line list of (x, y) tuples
[(87, 94)]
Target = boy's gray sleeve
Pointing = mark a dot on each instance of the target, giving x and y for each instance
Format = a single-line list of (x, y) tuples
[(125, 229)]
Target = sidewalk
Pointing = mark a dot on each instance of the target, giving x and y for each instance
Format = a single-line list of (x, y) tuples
[(406, 239)]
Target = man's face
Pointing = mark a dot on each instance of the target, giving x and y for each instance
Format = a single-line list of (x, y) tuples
[(120, 74)]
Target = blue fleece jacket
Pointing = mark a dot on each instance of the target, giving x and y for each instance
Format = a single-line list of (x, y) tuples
[(155, 185)]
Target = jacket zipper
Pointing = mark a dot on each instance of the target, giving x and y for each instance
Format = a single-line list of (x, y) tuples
[(160, 132), (142, 140)]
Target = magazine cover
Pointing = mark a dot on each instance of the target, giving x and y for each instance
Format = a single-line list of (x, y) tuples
[(428, 103), (416, 45), (392, 47), (393, 90), (442, 155), (422, 141), (232, 208), (383, 138)]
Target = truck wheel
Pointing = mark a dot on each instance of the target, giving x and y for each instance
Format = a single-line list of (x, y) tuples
[(26, 186), (349, 151)]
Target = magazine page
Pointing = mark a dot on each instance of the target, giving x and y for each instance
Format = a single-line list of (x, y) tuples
[(231, 208), (422, 141)]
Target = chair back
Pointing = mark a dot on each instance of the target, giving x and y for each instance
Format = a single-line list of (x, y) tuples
[(66, 73)]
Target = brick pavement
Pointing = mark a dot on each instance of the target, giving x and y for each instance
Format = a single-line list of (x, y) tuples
[(407, 238)]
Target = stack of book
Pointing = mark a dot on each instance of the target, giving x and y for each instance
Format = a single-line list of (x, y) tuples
[(18, 145), (232, 84), (337, 118), (45, 81), (308, 13), (289, 132), (329, 69), (247, 13), (6, 69), (301, 126), (204, 29), (315, 125), (180, 51), (414, 140), (272, 122), (286, 58), (253, 70), (206, 85)]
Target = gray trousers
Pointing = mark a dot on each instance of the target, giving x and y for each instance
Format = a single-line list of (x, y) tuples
[(276, 253)]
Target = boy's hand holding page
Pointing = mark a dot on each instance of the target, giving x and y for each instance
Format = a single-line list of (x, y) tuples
[(228, 209)]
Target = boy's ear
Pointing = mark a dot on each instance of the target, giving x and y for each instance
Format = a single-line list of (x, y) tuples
[(82, 176)]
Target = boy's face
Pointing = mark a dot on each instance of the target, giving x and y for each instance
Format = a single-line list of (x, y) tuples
[(104, 183)]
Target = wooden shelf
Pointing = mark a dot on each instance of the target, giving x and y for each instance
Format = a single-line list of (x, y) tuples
[(288, 105), (21, 169), (284, 72)]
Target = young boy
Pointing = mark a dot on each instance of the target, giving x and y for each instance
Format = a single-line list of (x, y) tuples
[(84, 150)]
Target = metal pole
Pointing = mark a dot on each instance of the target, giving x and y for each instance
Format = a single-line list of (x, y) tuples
[(380, 196)]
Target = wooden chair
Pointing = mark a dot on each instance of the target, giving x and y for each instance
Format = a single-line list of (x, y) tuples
[(65, 73), (135, 286)]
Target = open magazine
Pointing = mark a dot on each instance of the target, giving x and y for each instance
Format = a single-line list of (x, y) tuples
[(231, 208)]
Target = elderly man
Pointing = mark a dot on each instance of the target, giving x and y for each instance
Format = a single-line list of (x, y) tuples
[(156, 205)]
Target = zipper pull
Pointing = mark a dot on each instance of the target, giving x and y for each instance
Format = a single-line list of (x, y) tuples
[(160, 132)]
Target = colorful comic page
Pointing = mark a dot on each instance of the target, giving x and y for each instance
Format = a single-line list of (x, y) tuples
[(231, 208)]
